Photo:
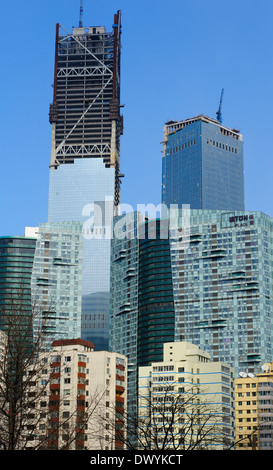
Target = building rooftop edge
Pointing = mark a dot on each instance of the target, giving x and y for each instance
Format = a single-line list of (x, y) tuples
[(200, 117), (71, 342)]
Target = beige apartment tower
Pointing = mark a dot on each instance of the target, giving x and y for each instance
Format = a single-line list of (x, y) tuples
[(186, 401), (82, 398)]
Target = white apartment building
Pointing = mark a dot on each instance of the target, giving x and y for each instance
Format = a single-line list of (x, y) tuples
[(81, 398), (186, 401)]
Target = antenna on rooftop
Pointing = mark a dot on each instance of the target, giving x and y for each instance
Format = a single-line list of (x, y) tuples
[(219, 112), (81, 13)]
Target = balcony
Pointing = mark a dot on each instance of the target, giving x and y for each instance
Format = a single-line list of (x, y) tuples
[(120, 255), (124, 308), (216, 253), (129, 273)]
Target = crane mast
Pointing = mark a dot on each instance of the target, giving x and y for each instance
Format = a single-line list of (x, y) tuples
[(219, 112), (81, 13)]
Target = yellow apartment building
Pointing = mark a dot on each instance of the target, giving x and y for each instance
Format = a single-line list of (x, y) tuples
[(254, 410)]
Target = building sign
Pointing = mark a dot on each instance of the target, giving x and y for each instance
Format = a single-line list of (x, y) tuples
[(241, 220)]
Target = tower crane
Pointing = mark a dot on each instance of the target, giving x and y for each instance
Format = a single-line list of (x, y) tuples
[(219, 112), (81, 13)]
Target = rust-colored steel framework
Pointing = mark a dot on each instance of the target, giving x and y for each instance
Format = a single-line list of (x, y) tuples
[(85, 113)]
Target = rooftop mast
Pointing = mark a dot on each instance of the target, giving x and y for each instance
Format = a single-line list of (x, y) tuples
[(219, 112), (81, 13)]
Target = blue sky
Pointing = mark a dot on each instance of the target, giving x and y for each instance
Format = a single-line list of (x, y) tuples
[(176, 58)]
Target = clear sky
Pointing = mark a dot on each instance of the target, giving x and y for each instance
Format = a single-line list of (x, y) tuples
[(176, 58)]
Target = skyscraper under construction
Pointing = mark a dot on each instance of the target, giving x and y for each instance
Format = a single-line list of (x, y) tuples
[(84, 176), (85, 113)]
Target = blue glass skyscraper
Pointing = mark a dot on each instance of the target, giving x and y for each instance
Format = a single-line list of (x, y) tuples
[(84, 192), (202, 165)]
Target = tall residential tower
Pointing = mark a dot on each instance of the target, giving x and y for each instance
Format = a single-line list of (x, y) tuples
[(142, 313), (222, 281), (16, 262)]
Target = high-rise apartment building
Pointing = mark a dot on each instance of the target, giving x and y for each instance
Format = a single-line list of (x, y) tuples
[(202, 165), (155, 322), (216, 294), (222, 280), (84, 177), (56, 283), (16, 262), (186, 401), (253, 406), (123, 298), (142, 306), (81, 398)]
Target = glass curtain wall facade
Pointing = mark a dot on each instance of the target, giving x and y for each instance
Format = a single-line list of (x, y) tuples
[(16, 262), (223, 286), (57, 282), (155, 292), (202, 165), (142, 307), (84, 192), (124, 298)]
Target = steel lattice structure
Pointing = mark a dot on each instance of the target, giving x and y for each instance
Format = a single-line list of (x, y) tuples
[(85, 113)]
